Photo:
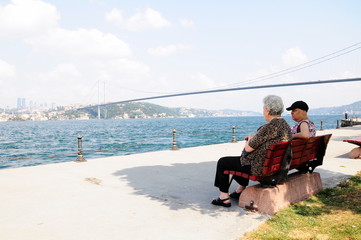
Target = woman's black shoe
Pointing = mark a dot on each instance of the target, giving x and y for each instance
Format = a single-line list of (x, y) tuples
[(221, 202), (235, 195)]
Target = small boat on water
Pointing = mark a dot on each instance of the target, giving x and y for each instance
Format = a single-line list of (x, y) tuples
[(350, 122)]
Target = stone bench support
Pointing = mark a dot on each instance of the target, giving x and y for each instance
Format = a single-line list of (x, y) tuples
[(270, 200)]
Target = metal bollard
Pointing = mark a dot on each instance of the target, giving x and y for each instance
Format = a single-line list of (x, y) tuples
[(321, 128), (80, 157), (174, 147), (234, 140), (337, 124)]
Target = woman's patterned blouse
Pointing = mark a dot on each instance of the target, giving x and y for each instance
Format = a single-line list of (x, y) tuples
[(277, 130), (296, 128)]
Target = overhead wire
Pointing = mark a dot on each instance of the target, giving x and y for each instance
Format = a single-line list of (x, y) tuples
[(298, 67), (237, 85), (91, 93), (294, 68), (291, 70)]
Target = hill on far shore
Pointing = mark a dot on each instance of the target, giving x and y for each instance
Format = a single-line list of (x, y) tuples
[(148, 110), (354, 108)]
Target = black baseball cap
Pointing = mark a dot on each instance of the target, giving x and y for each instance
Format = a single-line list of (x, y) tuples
[(299, 104)]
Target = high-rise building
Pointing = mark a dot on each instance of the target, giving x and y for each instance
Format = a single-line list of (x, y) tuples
[(21, 103), (18, 105)]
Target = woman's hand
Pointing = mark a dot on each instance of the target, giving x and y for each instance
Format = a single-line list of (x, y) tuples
[(249, 137), (247, 147)]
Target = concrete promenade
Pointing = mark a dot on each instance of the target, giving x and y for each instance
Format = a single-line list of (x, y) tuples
[(157, 195)]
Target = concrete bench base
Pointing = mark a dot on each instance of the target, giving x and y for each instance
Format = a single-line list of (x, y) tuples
[(355, 153), (270, 200)]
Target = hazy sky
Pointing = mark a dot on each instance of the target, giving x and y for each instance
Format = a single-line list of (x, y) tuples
[(60, 51)]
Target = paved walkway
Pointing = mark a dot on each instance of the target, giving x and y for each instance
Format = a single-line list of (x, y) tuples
[(158, 195)]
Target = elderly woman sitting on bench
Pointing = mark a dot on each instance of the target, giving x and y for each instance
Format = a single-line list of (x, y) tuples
[(251, 160)]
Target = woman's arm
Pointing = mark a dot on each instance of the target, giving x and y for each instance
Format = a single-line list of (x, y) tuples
[(253, 141), (247, 147), (304, 131)]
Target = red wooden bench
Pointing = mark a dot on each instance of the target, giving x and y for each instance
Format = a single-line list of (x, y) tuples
[(302, 154), (356, 152), (356, 141)]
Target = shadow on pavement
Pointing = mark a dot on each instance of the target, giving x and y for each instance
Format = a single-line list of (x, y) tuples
[(178, 186), (190, 185)]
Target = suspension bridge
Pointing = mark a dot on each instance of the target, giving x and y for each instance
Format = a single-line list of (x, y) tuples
[(228, 90)]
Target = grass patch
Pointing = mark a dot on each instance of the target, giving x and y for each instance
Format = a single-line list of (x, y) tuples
[(334, 213)]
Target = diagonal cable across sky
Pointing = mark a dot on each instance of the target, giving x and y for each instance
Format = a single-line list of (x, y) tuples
[(237, 86)]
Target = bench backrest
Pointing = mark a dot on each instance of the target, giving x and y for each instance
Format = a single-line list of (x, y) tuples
[(303, 151), (306, 150), (298, 147), (274, 157)]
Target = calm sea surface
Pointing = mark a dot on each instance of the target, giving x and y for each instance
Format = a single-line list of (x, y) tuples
[(34, 143)]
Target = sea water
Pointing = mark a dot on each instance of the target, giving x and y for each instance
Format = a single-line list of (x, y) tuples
[(33, 143)]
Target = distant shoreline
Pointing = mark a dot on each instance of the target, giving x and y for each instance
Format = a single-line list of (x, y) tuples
[(229, 116), (144, 110)]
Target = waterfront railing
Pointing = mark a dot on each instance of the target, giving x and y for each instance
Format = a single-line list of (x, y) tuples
[(174, 145)]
